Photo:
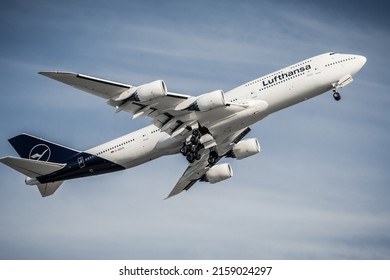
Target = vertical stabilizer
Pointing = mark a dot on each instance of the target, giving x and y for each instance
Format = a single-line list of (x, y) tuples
[(34, 148)]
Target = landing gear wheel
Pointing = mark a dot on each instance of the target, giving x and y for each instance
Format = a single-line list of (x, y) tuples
[(213, 157), (190, 158), (197, 156), (185, 150), (193, 149), (196, 133), (211, 160), (336, 96)]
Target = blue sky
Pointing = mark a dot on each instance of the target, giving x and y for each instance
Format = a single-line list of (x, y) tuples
[(318, 190)]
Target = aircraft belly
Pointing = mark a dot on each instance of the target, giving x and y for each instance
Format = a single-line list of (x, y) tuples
[(297, 92), (255, 112), (148, 149)]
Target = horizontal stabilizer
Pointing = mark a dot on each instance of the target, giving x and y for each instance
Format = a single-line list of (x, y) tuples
[(34, 168), (31, 168), (49, 188)]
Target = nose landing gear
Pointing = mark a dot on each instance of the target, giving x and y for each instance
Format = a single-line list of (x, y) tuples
[(336, 95)]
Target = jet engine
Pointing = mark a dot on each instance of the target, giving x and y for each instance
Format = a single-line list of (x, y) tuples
[(144, 92), (150, 91), (245, 148), (218, 173), (208, 101)]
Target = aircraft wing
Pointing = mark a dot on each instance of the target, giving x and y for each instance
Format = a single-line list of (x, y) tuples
[(194, 172), (102, 88), (163, 109), (174, 113)]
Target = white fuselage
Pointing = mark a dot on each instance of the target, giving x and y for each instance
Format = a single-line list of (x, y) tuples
[(254, 101)]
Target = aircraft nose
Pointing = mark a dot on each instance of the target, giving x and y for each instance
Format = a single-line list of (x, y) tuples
[(358, 64), (362, 60)]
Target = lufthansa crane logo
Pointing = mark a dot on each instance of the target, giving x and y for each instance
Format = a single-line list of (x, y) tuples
[(40, 152)]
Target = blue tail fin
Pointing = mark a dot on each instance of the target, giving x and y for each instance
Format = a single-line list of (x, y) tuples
[(31, 147)]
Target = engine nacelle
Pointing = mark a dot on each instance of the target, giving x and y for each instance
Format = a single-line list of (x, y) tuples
[(31, 181), (245, 148), (208, 101), (218, 173), (150, 91), (143, 93)]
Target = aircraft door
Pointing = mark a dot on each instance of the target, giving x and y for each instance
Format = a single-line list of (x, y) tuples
[(81, 162)]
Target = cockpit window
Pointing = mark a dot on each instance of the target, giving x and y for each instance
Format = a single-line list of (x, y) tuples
[(332, 53)]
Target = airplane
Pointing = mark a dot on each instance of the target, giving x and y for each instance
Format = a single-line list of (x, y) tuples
[(204, 129)]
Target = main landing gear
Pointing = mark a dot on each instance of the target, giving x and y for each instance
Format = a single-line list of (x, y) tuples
[(213, 157), (191, 148), (336, 95)]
